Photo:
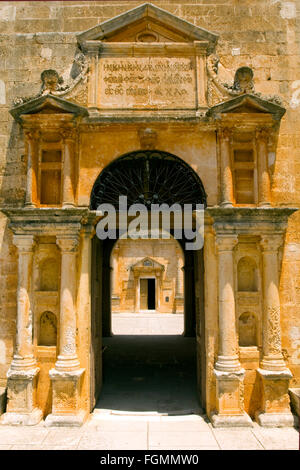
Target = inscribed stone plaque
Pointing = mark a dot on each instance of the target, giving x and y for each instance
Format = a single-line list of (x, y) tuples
[(152, 82)]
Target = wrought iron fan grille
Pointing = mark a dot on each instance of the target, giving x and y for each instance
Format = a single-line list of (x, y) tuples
[(148, 177)]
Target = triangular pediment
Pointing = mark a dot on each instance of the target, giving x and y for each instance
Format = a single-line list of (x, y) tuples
[(47, 104), (147, 23), (147, 263), (248, 104)]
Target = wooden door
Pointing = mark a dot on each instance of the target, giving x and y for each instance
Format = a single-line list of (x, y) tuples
[(143, 294)]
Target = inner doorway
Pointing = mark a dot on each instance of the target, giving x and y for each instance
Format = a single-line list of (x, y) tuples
[(147, 294)]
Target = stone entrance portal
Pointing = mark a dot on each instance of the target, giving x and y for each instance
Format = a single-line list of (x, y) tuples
[(156, 120)]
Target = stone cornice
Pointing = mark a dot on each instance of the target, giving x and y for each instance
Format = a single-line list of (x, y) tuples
[(52, 221), (57, 104), (247, 104), (249, 220)]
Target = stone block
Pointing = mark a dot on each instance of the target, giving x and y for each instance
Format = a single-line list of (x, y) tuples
[(295, 400), (2, 400)]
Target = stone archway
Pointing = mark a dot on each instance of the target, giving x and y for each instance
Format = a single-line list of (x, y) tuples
[(148, 177)]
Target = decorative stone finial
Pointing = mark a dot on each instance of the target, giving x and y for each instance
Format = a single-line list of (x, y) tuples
[(243, 80), (50, 81)]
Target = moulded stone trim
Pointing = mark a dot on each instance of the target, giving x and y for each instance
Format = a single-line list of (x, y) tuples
[(147, 10), (22, 374), (227, 421), (36, 105), (275, 374)]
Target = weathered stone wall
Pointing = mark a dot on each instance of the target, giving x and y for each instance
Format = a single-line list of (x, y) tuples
[(264, 35)]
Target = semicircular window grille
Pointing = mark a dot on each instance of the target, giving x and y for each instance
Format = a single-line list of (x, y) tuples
[(148, 177)]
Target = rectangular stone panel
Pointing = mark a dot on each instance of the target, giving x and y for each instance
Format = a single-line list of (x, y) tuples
[(151, 82)]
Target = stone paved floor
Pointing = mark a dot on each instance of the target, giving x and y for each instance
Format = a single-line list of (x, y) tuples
[(114, 426)]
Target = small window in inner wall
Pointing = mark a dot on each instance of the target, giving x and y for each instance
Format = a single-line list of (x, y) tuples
[(244, 176), (51, 187), (50, 177)]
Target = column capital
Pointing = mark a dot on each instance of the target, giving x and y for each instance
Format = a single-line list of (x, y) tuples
[(68, 133), (88, 231), (225, 133), (24, 243), (262, 134), (271, 243), (68, 243), (226, 242), (32, 134)]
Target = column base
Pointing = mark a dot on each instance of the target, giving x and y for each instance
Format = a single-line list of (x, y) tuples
[(21, 406), (264, 204), (66, 398), (22, 419), (275, 409), (227, 421), (73, 420), (225, 204), (230, 400), (274, 420)]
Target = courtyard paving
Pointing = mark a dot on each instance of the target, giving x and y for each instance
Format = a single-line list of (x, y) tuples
[(149, 400)]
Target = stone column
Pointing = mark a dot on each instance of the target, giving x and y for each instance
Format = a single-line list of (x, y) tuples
[(66, 376), (68, 136), (228, 371), (224, 135), (228, 344), (264, 190), (32, 139), (23, 372), (136, 287), (87, 324), (179, 296), (189, 304), (115, 298), (273, 371)]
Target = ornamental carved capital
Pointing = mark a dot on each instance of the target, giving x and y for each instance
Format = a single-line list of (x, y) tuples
[(68, 244), (68, 134), (24, 243), (262, 134), (224, 133), (32, 135), (271, 243), (226, 242)]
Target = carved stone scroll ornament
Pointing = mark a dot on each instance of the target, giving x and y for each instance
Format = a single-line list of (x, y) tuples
[(274, 330), (219, 91), (54, 84)]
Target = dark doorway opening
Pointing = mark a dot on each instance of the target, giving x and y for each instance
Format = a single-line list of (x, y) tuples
[(151, 294), (147, 294)]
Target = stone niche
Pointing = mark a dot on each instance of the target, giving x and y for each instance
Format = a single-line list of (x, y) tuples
[(47, 335)]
